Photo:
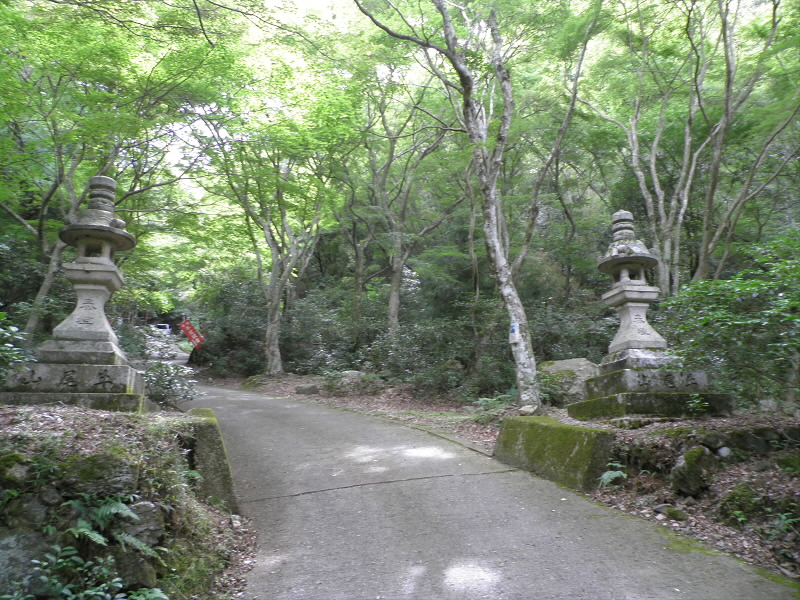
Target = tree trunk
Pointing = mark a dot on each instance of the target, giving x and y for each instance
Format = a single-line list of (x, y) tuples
[(272, 350), (478, 115), (44, 289), (395, 283), (519, 335)]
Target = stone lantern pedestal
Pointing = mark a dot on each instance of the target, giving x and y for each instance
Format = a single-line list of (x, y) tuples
[(637, 377), (83, 364)]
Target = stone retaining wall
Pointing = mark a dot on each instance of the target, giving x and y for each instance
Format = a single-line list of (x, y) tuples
[(572, 456)]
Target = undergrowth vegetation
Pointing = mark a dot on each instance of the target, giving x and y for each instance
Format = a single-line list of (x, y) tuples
[(120, 516)]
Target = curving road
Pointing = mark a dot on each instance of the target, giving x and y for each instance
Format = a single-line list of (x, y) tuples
[(351, 507)]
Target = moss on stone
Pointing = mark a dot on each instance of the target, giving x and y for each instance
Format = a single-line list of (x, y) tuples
[(675, 514), (695, 455), (790, 463), (692, 473), (205, 413), (211, 460), (591, 410), (742, 504), (9, 460), (679, 432), (573, 456), (13, 469), (775, 578)]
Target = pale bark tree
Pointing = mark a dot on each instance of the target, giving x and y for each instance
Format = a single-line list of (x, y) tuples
[(259, 179), (486, 118), (399, 207), (671, 175)]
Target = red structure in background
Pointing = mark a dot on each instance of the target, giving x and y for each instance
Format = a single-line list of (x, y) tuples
[(191, 333)]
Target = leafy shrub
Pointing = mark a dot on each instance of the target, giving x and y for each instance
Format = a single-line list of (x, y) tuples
[(132, 340), (64, 575), (560, 332), (11, 351), (169, 385), (159, 344), (231, 308), (489, 410), (744, 331), (145, 343), (430, 354), (608, 478), (319, 334)]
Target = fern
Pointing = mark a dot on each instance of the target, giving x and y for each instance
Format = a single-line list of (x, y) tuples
[(85, 529), (65, 575), (126, 539), (608, 478), (111, 508)]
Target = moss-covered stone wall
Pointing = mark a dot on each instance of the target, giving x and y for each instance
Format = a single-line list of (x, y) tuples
[(573, 456), (211, 461)]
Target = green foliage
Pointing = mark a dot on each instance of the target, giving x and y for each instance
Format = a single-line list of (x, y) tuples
[(790, 463), (64, 575), (607, 479), (95, 517), (675, 514), (562, 331), (745, 330), (742, 504), (696, 405), (489, 410), (132, 340), (784, 523), (230, 308), (20, 268), (169, 385), (11, 350)]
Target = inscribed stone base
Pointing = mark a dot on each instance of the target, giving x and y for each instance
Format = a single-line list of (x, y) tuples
[(635, 358), (646, 380), (98, 401), (569, 455), (75, 378), (651, 404)]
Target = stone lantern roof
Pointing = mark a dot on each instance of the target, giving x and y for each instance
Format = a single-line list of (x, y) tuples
[(626, 258), (97, 233)]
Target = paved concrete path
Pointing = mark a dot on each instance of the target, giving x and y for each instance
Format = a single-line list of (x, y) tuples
[(351, 507)]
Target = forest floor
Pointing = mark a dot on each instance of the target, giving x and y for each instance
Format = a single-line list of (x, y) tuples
[(764, 531)]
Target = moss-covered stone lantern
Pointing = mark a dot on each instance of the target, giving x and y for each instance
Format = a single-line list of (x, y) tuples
[(83, 364), (638, 377), (627, 261)]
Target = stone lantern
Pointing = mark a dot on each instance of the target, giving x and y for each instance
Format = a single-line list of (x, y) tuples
[(638, 377), (85, 336), (83, 364), (626, 261)]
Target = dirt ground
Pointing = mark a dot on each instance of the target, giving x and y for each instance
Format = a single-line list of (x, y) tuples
[(771, 541)]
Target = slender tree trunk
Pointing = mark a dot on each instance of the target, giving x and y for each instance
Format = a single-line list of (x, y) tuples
[(272, 350), (519, 335), (395, 283), (478, 114), (53, 266), (358, 290)]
